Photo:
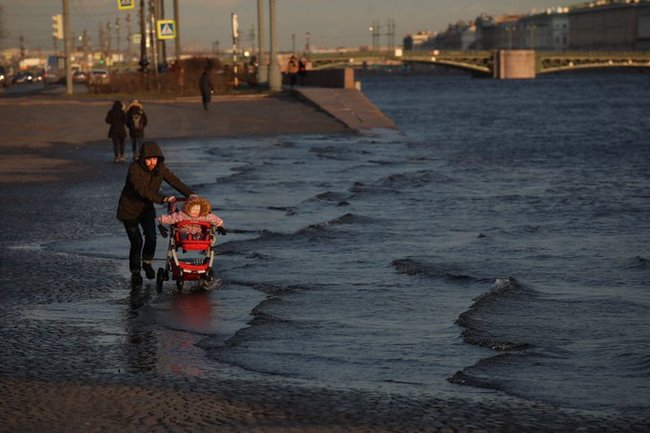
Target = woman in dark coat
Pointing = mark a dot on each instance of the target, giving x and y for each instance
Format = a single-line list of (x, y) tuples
[(117, 132), (135, 208)]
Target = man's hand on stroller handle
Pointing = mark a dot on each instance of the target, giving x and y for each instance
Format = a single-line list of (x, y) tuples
[(169, 199)]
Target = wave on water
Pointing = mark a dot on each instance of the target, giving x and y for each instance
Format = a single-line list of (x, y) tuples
[(476, 375), (269, 288), (413, 267), (414, 179), (337, 198), (639, 263), (336, 153), (239, 173), (309, 231), (288, 210), (584, 352), (396, 182), (476, 328), (324, 227)]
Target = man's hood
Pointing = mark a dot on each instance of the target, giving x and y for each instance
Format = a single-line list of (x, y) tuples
[(150, 149)]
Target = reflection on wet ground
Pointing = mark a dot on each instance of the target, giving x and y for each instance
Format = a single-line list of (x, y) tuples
[(154, 333)]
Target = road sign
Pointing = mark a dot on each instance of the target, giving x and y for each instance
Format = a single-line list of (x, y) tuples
[(125, 4), (166, 29)]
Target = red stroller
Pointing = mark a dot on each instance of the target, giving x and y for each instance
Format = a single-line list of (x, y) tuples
[(189, 256)]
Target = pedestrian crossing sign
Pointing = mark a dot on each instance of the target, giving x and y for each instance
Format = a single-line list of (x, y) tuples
[(125, 4), (166, 29)]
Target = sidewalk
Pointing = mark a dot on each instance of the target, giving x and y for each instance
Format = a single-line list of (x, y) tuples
[(31, 126)]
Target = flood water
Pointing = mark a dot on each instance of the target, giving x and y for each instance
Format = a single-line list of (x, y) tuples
[(495, 246)]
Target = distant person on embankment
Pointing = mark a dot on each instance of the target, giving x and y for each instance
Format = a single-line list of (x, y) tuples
[(205, 85), (292, 70), (136, 121), (117, 132)]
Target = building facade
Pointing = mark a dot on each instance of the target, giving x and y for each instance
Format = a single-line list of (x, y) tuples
[(598, 25), (610, 26)]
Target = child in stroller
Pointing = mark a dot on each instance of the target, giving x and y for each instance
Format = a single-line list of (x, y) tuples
[(192, 229)]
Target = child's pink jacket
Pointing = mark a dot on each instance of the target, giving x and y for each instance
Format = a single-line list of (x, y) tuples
[(191, 229)]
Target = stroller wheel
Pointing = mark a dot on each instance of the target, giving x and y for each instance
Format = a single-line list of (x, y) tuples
[(160, 277), (207, 279), (209, 275)]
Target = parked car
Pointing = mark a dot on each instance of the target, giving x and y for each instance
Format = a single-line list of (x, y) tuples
[(22, 77), (98, 76), (79, 76)]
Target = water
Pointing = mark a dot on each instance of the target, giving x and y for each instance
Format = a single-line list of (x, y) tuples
[(496, 246)]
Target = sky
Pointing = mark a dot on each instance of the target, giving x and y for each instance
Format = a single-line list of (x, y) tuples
[(205, 24)]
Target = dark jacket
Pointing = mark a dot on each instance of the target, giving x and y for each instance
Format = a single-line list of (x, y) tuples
[(117, 119), (205, 85), (134, 131), (142, 187)]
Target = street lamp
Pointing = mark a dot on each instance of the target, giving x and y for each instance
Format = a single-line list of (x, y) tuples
[(275, 77)]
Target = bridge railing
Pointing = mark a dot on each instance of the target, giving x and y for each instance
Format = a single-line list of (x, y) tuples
[(483, 62)]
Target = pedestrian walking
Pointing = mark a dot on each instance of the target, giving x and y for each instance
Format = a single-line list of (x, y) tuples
[(292, 70), (302, 70), (116, 118), (136, 121), (205, 85), (135, 209)]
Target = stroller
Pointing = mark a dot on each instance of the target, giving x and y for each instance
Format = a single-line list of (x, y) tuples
[(189, 256)]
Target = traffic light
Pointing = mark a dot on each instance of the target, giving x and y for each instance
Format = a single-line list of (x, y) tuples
[(57, 26)]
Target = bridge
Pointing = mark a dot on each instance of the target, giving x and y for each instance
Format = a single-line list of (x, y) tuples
[(501, 64)]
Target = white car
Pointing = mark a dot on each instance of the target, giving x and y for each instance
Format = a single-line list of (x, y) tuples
[(98, 76)]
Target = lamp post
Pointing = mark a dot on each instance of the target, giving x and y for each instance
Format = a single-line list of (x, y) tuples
[(177, 44), (143, 38), (66, 47), (262, 69), (275, 78), (235, 40)]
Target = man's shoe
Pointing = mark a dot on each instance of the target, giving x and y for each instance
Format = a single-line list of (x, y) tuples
[(148, 270), (136, 278)]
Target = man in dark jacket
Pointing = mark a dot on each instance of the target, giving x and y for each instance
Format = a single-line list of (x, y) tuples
[(205, 85), (135, 208)]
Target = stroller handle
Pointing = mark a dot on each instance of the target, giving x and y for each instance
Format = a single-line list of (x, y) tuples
[(171, 207)]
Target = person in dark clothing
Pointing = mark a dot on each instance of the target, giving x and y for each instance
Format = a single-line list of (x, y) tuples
[(205, 85), (117, 132), (292, 70), (302, 70), (136, 121), (135, 208)]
